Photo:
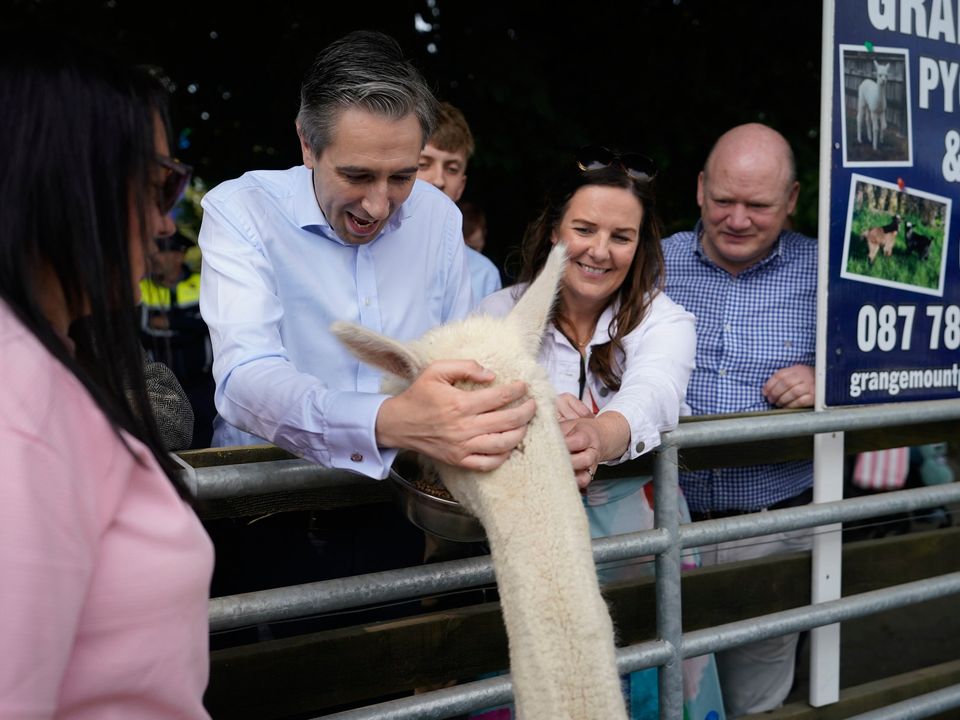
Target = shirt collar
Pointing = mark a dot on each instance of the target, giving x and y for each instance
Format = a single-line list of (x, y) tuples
[(310, 217), (773, 256), (306, 210), (600, 335)]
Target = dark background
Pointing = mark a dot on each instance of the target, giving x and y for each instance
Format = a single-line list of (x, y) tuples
[(665, 77)]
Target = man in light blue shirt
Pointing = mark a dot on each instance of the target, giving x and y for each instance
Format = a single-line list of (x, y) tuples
[(350, 235), (443, 164)]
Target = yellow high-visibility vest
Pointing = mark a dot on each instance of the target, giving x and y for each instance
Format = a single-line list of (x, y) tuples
[(158, 297)]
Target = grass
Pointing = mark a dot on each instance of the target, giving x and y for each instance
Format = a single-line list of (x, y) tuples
[(902, 266)]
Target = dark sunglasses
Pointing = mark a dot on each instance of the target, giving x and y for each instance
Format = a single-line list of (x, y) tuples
[(636, 165), (175, 181)]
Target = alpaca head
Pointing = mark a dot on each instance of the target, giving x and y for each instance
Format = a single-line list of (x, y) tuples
[(883, 71), (504, 345)]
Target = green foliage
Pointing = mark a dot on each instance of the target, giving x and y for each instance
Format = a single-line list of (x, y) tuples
[(902, 266)]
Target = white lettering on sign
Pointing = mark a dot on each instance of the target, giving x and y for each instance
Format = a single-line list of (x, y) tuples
[(891, 382), (891, 327), (913, 18)]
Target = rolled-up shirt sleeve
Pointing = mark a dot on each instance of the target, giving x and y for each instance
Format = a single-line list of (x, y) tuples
[(659, 360)]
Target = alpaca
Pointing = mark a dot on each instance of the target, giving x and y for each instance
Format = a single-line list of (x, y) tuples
[(562, 652), (872, 105), (881, 237)]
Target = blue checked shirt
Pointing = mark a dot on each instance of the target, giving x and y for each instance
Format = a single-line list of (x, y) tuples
[(748, 326)]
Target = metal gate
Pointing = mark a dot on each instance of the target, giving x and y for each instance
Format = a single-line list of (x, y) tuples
[(666, 541)]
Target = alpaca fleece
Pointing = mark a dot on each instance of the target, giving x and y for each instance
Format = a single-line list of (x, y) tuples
[(562, 652)]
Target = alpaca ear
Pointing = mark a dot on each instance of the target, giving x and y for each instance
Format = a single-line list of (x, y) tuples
[(533, 311), (378, 351)]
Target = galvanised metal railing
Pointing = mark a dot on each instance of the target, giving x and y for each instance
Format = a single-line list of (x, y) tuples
[(666, 541)]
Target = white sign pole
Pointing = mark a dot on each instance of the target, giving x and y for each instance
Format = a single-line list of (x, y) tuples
[(827, 448)]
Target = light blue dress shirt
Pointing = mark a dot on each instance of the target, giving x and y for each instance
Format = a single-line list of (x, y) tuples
[(275, 276), (484, 275)]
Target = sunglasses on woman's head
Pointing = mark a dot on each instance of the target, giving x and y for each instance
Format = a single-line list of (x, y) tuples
[(636, 165), (175, 179)]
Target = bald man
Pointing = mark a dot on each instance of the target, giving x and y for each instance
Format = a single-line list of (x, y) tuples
[(752, 285)]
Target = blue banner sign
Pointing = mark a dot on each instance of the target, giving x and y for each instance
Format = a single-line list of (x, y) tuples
[(893, 295)]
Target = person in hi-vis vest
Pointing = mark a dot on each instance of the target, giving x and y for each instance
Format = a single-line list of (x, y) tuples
[(173, 331)]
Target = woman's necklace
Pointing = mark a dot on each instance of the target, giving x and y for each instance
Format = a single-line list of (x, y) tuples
[(569, 330), (581, 346)]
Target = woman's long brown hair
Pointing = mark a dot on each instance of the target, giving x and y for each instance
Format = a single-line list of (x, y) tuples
[(644, 278)]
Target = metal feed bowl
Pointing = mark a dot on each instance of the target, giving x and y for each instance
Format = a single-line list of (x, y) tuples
[(446, 518)]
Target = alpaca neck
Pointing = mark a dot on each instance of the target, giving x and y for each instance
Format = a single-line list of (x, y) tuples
[(562, 653)]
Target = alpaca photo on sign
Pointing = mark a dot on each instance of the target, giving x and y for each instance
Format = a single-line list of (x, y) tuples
[(872, 105), (896, 236), (875, 106)]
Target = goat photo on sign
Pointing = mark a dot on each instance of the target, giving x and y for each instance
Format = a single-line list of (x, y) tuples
[(875, 107), (896, 237)]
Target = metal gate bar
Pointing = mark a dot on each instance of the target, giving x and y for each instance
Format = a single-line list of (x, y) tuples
[(234, 611), (922, 706)]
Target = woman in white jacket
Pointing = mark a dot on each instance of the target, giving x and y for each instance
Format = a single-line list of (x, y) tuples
[(619, 354)]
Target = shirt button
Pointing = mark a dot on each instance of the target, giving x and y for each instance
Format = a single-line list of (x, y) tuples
[(722, 372), (640, 447), (357, 457), (366, 301), (727, 327), (604, 391)]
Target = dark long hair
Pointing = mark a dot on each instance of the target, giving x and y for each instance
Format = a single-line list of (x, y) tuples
[(644, 278), (77, 142)]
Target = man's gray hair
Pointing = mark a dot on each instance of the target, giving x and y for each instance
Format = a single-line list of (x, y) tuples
[(366, 70)]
